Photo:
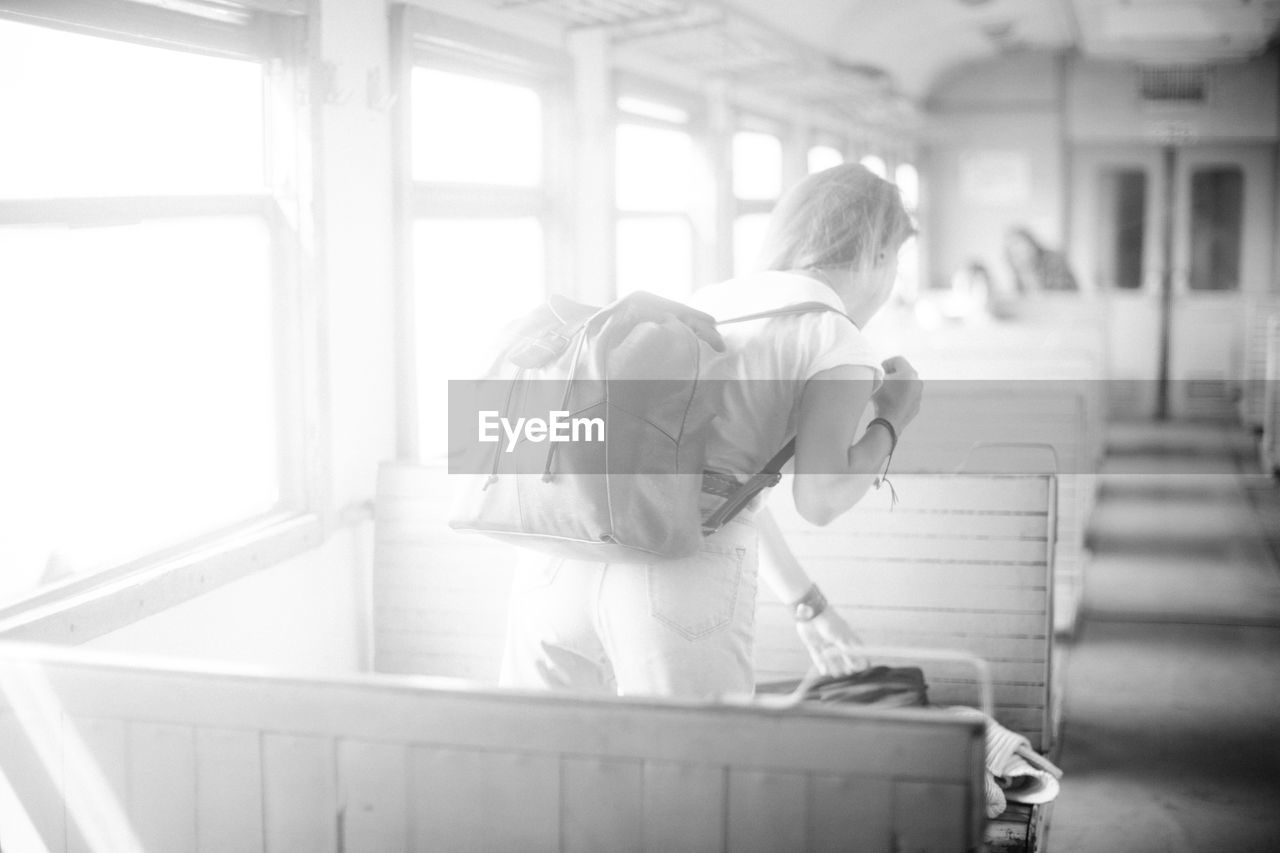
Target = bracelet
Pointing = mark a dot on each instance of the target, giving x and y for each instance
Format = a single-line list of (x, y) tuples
[(893, 433), (883, 479), (810, 605)]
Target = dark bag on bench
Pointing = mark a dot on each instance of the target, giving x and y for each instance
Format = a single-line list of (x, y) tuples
[(878, 687)]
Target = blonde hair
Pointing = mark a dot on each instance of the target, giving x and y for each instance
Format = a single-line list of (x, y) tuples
[(845, 215)]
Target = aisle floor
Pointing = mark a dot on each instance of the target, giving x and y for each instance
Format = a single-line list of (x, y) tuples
[(1171, 734)]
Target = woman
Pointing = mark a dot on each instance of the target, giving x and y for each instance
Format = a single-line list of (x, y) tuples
[(1035, 268), (685, 627)]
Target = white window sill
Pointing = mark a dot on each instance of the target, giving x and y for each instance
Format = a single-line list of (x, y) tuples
[(83, 608)]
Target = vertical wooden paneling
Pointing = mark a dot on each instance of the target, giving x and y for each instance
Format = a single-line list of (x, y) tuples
[(684, 807), (300, 794), (522, 791), (847, 812), (228, 791), (94, 764), (162, 786), (374, 782), (445, 807), (464, 800), (926, 817), (35, 779), (767, 811), (602, 805)]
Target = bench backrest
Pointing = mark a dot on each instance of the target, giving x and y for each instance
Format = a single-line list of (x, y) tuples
[(1258, 311), (1271, 399), (963, 562), (183, 760), (956, 417)]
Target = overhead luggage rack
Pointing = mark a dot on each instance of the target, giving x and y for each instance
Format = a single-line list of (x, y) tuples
[(601, 13), (713, 39)]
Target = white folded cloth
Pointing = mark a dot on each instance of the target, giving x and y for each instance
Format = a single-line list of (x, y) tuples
[(1016, 773)]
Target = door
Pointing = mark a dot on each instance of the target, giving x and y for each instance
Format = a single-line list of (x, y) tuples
[(1175, 238)]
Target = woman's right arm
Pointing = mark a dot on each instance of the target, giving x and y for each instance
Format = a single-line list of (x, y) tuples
[(833, 471)]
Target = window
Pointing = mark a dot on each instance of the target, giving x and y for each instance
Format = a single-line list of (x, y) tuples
[(145, 299), (655, 172), (875, 164), (757, 166), (824, 157), (478, 211), (757, 184), (1217, 224), (907, 285), (1122, 228)]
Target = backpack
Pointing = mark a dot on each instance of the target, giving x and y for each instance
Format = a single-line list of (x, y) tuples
[(605, 460), (877, 686)]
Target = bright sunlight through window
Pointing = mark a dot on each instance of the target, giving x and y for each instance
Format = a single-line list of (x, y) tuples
[(469, 274), (757, 165), (139, 359), (87, 116), (875, 165), (908, 181), (824, 157), (476, 131)]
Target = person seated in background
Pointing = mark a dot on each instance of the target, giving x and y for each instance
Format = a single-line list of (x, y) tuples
[(1036, 269)]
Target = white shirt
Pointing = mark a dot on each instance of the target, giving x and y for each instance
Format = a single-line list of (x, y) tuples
[(767, 362)]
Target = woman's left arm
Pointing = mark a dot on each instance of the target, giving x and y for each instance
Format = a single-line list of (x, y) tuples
[(832, 644)]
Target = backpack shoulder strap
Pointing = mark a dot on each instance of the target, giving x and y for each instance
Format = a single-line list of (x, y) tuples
[(767, 478), (772, 471)]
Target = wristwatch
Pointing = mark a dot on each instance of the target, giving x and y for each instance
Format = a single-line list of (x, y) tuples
[(810, 605)]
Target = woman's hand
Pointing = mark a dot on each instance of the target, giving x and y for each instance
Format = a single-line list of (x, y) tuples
[(832, 644), (898, 398), (642, 306)]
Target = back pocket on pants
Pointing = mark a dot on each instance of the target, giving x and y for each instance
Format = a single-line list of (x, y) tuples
[(697, 595)]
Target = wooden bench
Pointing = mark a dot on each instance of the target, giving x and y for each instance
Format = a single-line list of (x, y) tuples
[(986, 426), (1271, 401), (1258, 311), (963, 562), (184, 760)]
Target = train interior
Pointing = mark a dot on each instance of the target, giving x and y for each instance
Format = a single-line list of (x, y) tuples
[(246, 244)]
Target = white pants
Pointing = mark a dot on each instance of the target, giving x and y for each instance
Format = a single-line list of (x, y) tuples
[(672, 628)]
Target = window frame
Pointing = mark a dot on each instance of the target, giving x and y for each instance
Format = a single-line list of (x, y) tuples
[(739, 207), (276, 34), (425, 39), (696, 126)]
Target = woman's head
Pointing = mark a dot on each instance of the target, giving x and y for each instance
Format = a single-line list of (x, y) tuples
[(844, 216)]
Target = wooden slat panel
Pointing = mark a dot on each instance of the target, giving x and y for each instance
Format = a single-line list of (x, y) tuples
[(373, 780), (974, 492), (925, 817), (1031, 626), (35, 779), (850, 572), (846, 811), (228, 791), (464, 800), (841, 543), (683, 807), (300, 794), (524, 789), (784, 659), (445, 812), (162, 786), (602, 806), (94, 761), (767, 811), (501, 720)]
